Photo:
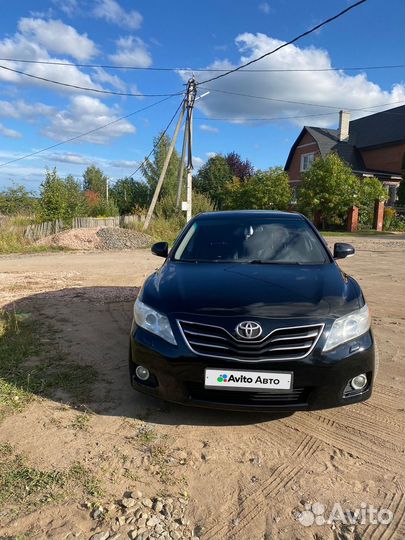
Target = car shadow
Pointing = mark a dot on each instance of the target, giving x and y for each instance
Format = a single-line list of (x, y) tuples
[(83, 358)]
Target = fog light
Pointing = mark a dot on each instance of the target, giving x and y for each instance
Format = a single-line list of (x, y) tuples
[(142, 373), (359, 382)]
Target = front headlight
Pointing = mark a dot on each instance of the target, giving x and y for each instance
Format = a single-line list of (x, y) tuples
[(153, 321), (348, 327)]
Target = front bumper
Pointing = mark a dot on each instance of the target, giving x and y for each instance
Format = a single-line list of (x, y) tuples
[(319, 379)]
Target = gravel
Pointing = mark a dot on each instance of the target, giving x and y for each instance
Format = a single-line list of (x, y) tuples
[(143, 518), (104, 238), (115, 238)]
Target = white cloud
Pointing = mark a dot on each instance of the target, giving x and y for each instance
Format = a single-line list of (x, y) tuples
[(58, 37), (68, 157), (111, 11), (7, 132), (334, 89), (27, 47), (69, 7), (211, 154), (103, 76), (131, 51), (264, 7), (197, 162), (27, 111), (206, 127), (84, 114), (123, 164)]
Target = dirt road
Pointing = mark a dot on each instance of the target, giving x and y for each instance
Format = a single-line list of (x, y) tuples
[(244, 476)]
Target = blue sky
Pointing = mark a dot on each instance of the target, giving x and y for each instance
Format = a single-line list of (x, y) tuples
[(217, 33)]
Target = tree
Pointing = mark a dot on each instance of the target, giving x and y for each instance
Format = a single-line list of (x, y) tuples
[(61, 198), (129, 194), (17, 200), (241, 169), (151, 169), (369, 190), (212, 178), (53, 197), (76, 203), (266, 190), (95, 180), (401, 189), (328, 188)]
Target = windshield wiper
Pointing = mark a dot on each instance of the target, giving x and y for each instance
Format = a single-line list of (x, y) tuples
[(260, 261)]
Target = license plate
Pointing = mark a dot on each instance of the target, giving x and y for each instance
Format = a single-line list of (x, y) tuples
[(235, 379)]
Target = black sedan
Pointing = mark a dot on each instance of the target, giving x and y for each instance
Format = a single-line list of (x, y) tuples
[(250, 311)]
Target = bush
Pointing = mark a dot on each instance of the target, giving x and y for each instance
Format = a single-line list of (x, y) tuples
[(328, 188), (369, 190), (104, 208), (389, 214), (394, 221), (266, 190), (17, 200), (61, 198)]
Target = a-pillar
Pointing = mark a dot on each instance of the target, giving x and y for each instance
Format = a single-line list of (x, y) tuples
[(378, 215), (353, 219)]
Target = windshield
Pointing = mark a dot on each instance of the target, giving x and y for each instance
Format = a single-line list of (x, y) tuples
[(255, 240)]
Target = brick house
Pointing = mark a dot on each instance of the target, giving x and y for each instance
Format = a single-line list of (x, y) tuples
[(371, 146)]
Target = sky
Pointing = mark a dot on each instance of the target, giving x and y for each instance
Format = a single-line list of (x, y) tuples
[(220, 34)]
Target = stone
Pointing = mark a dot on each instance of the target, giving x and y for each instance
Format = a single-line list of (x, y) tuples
[(136, 494), (128, 502), (152, 521), (102, 535), (158, 506), (97, 512), (133, 534), (159, 529), (147, 502)]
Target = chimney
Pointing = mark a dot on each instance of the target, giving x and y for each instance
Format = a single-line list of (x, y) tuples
[(344, 121)]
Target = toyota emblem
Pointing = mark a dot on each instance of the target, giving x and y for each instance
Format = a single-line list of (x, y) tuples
[(249, 330)]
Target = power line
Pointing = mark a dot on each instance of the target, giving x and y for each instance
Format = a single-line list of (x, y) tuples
[(263, 119), (85, 133), (310, 31), (175, 69), (159, 139), (266, 98), (127, 94)]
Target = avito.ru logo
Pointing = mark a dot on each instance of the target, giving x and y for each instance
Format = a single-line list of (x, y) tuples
[(223, 378)]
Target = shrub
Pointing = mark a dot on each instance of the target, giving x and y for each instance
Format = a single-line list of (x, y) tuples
[(328, 188), (389, 214)]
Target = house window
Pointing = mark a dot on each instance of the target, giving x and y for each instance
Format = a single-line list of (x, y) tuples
[(306, 161)]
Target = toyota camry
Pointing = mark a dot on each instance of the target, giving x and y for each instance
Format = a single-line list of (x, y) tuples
[(250, 311)]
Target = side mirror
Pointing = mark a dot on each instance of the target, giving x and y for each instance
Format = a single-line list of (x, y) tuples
[(161, 249), (341, 250)]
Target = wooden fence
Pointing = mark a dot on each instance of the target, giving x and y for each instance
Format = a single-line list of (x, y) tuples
[(41, 230)]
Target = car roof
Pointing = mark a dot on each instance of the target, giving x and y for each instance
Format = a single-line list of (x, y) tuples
[(224, 214)]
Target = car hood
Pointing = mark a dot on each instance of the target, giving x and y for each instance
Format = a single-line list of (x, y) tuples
[(255, 290)]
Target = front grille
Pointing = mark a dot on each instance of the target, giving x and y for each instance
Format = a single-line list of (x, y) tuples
[(283, 343), (236, 397)]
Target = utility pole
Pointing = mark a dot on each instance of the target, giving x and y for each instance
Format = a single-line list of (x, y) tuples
[(191, 95), (164, 169), (187, 107)]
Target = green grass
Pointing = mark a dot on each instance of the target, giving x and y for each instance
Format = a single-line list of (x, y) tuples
[(29, 368), (161, 229), (24, 488), (81, 422)]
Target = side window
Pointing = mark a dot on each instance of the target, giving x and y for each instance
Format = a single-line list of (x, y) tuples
[(306, 161)]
